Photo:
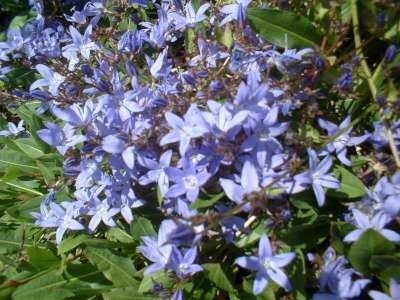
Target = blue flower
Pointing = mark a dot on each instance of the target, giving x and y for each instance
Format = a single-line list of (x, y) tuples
[(223, 121), (267, 265), (290, 62), (178, 295), (113, 144), (249, 183), (187, 181), (336, 281), (76, 115), (179, 233), (209, 54), (377, 223), (156, 252), (318, 176), (57, 216), (394, 292), (342, 141), (50, 79), (101, 211), (183, 265), (160, 67), (131, 41), (12, 129), (390, 53), (80, 44), (157, 34), (379, 137), (236, 11), (183, 130), (14, 42), (61, 139), (263, 141), (157, 171), (191, 18), (384, 198)]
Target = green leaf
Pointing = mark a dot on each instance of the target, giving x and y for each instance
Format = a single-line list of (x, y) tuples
[(157, 277), (141, 227), (11, 240), (345, 11), (297, 274), (77, 279), (22, 186), (369, 244), (18, 21), (46, 287), (351, 187), (118, 269), (337, 232), (249, 239), (306, 235), (382, 262), (117, 234), (70, 243), (201, 203), (268, 293), (126, 24), (216, 275), (47, 173), (85, 279), (22, 210), (29, 147), (225, 36), (284, 29), (200, 289), (128, 293), (42, 258), (13, 158), (190, 44)]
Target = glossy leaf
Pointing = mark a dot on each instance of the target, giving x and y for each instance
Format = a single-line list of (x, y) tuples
[(284, 29), (369, 244), (118, 269)]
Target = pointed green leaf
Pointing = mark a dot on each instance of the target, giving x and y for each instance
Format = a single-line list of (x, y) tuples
[(117, 269), (369, 244), (284, 29), (216, 275), (13, 158), (45, 287), (350, 186), (29, 147), (141, 227), (128, 293), (42, 258)]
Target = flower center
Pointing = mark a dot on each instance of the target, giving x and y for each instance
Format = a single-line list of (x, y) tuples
[(190, 181), (268, 264), (183, 267)]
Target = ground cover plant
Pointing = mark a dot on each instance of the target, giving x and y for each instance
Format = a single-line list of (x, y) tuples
[(199, 150)]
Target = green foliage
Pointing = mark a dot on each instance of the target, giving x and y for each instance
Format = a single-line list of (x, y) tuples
[(107, 265), (117, 269), (215, 274), (350, 185), (284, 29), (306, 235), (368, 245)]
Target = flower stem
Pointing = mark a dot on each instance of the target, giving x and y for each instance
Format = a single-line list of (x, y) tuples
[(368, 74)]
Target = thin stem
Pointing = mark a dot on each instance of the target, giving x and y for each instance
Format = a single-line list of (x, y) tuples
[(392, 146), (358, 47), (368, 74)]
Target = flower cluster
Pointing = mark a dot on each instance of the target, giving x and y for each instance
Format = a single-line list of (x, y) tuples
[(136, 120)]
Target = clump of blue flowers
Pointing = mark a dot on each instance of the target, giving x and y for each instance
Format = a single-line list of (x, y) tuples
[(185, 110)]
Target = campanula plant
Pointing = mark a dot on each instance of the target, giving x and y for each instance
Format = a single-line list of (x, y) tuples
[(183, 149)]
